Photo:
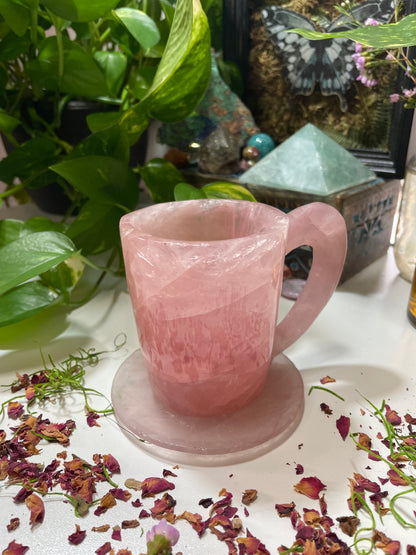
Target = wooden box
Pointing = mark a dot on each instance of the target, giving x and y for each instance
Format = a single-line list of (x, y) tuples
[(368, 211)]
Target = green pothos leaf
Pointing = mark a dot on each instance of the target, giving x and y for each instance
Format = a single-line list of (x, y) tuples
[(384, 36), (26, 300), (32, 254)]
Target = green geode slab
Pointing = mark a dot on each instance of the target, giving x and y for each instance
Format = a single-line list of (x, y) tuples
[(309, 162)]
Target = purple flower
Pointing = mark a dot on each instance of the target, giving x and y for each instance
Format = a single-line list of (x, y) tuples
[(371, 21), (408, 93), (163, 528), (394, 98), (359, 61), (358, 47)]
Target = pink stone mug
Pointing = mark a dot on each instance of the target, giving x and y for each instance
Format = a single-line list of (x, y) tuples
[(205, 278)]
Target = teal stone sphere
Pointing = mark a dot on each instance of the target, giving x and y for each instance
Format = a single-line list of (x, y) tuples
[(263, 142)]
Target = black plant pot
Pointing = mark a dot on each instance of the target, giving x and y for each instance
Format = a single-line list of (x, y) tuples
[(52, 198)]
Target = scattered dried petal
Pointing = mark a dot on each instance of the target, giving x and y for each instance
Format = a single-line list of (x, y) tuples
[(311, 487), (14, 409), (37, 510), (366, 484), (13, 524), (116, 535), (78, 536), (103, 528), (396, 479), (325, 408), (348, 524), (343, 426), (284, 509), (326, 380), (104, 549), (151, 486), (249, 496), (299, 469), (130, 524), (15, 549), (392, 416), (363, 441)]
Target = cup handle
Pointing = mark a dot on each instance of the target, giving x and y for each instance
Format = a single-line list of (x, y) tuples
[(323, 228)]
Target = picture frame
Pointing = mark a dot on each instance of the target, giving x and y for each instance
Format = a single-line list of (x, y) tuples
[(387, 163)]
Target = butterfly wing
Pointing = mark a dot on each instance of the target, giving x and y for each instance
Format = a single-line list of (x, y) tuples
[(306, 62), (297, 53)]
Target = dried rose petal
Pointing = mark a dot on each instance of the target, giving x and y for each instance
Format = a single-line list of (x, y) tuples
[(111, 464), (284, 509), (322, 505), (364, 440), (311, 487), (107, 501), (14, 409), (299, 469), (392, 547), (325, 408), (392, 416), (116, 535), (92, 419), (396, 479), (150, 486), (15, 549), (37, 510), (311, 517), (13, 524), (366, 484), (195, 520), (348, 524), (206, 502), (249, 496), (120, 494), (167, 472), (164, 506), (78, 536), (327, 379), (410, 420), (29, 392), (104, 549), (343, 426), (103, 528), (126, 524), (411, 550), (251, 545)]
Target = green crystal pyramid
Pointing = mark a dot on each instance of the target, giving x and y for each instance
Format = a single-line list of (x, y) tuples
[(309, 162)]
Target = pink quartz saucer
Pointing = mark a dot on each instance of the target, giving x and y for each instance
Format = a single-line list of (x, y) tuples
[(250, 432)]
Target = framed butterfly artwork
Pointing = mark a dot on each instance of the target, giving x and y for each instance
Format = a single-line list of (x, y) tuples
[(290, 81)]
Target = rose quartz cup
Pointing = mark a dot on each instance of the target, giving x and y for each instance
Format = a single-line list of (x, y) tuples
[(205, 278)]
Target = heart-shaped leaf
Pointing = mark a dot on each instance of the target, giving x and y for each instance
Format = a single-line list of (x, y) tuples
[(32, 254), (161, 177), (15, 15), (101, 178), (80, 10), (140, 25), (26, 300), (96, 228)]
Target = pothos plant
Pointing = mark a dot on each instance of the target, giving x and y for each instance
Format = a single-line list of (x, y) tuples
[(152, 63)]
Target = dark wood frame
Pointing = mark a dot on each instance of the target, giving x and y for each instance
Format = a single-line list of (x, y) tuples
[(389, 164)]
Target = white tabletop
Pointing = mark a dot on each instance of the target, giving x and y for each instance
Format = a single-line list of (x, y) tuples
[(362, 339)]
